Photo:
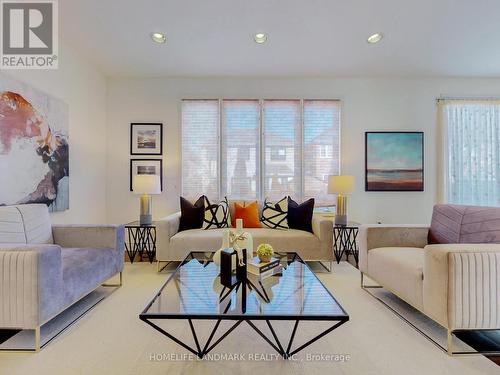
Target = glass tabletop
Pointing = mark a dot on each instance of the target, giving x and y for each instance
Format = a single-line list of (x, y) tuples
[(349, 225), (137, 224), (194, 291)]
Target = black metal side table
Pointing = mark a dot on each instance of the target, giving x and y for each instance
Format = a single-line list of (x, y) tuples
[(345, 241), (141, 240)]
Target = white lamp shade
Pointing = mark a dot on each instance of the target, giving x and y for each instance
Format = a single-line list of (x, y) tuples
[(146, 184), (341, 185)]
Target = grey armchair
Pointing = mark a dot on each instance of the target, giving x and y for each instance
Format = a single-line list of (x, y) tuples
[(44, 269)]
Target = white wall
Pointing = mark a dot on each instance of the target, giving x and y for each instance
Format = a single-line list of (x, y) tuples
[(368, 104), (83, 88)]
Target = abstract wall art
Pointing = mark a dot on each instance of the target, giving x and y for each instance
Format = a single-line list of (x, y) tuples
[(34, 150), (394, 161)]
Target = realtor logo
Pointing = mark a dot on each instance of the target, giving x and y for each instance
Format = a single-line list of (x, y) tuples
[(29, 34)]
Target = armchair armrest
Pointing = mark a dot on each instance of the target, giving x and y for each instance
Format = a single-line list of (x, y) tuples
[(461, 284), (376, 235), (166, 228), (94, 236), (323, 229), (31, 287)]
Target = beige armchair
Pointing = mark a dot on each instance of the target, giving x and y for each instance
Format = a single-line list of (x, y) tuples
[(457, 284)]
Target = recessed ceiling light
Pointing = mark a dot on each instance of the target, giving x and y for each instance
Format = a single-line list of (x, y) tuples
[(375, 38), (260, 38), (158, 37)]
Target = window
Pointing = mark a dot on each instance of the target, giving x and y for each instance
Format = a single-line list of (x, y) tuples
[(278, 153), (321, 147), (325, 151), (200, 148), (281, 132), (471, 130), (252, 149), (240, 153)]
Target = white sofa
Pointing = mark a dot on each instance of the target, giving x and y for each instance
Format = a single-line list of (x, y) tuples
[(450, 271), (174, 246)]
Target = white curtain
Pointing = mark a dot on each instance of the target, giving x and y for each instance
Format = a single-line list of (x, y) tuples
[(471, 151)]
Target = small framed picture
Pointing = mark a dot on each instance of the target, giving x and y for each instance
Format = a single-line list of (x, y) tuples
[(146, 139), (146, 166)]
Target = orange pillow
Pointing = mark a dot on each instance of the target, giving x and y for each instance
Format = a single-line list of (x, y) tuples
[(249, 214)]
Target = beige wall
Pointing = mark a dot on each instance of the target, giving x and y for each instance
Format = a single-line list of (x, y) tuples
[(83, 88), (368, 104)]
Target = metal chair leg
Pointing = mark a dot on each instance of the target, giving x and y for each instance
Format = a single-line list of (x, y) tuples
[(37, 339), (120, 283)]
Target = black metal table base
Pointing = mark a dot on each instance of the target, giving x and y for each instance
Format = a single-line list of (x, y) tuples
[(141, 240), (201, 350), (345, 242)]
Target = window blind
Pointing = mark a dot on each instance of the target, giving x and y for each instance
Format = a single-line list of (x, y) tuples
[(229, 149), (200, 148), (321, 147), (282, 140), (240, 149)]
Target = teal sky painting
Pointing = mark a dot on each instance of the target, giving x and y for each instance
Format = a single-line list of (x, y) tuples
[(388, 151)]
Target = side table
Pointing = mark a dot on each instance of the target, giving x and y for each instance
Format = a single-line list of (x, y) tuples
[(141, 239), (345, 241)]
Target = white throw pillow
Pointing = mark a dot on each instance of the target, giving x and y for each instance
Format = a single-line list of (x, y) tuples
[(274, 215), (216, 215)]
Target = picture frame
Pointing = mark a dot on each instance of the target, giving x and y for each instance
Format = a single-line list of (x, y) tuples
[(146, 138), (146, 166), (394, 161)]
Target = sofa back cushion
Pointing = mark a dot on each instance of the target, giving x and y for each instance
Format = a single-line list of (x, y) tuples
[(37, 223), (27, 223), (464, 224), (11, 225)]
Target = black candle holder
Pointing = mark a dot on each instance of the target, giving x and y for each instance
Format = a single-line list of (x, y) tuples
[(227, 277)]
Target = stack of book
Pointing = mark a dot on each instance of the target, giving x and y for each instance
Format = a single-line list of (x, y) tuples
[(264, 269)]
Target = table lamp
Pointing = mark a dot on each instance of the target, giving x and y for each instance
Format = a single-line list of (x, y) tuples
[(146, 184), (342, 186)]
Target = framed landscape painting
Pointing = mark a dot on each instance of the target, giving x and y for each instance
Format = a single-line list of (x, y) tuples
[(394, 161), (146, 139), (146, 166)]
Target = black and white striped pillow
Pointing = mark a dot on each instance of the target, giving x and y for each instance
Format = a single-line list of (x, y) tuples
[(216, 215), (274, 215)]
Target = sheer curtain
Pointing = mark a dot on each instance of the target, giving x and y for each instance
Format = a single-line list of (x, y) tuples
[(471, 151)]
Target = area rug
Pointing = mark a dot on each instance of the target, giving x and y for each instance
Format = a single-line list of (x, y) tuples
[(111, 339)]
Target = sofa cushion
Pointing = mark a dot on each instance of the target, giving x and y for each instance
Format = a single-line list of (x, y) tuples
[(11, 225), (248, 213), (216, 214), (464, 224), (84, 269), (399, 269), (211, 240), (244, 203), (37, 224), (300, 215), (275, 215), (192, 214)]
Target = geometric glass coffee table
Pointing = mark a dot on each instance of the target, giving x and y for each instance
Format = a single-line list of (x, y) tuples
[(194, 292)]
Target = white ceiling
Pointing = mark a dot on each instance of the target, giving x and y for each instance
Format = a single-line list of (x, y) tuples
[(306, 38)]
